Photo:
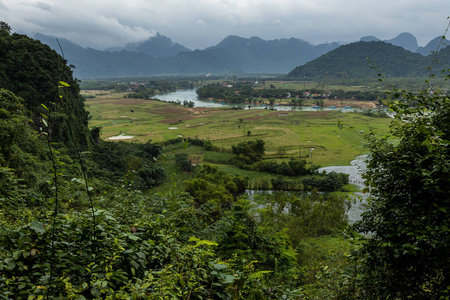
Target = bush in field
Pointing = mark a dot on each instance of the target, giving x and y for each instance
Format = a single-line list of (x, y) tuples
[(151, 176), (249, 152), (183, 162), (282, 184), (132, 162)]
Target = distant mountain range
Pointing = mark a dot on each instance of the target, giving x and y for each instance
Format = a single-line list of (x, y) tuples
[(409, 42), (157, 46), (158, 55), (275, 56)]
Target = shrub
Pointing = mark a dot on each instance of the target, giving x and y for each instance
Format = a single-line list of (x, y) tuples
[(329, 182), (249, 152), (183, 162)]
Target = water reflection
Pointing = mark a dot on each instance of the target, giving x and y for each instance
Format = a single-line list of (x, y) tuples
[(355, 171)]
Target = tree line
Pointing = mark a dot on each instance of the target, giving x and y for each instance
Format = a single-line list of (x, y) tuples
[(249, 93)]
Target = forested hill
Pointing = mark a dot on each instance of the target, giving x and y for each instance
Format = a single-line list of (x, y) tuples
[(33, 72), (354, 61)]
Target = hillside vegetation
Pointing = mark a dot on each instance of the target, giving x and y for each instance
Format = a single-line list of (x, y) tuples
[(355, 61), (86, 218), (79, 218)]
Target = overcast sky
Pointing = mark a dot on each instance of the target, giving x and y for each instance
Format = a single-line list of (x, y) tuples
[(197, 24)]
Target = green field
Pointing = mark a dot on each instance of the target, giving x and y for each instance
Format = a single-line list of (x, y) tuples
[(286, 133)]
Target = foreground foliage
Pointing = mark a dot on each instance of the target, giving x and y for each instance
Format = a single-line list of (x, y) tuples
[(141, 248), (110, 241), (80, 224), (406, 252)]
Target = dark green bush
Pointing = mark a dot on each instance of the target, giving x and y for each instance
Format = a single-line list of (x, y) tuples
[(183, 162), (328, 182)]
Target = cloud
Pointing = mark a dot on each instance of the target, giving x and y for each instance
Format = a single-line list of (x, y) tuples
[(3, 6), (203, 23), (40, 5), (43, 6), (95, 25), (200, 22)]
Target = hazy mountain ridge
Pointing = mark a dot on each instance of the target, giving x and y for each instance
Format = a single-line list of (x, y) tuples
[(409, 42), (405, 40), (159, 55), (433, 46), (257, 55), (157, 46)]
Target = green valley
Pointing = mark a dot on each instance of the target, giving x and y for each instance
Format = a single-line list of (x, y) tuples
[(108, 192)]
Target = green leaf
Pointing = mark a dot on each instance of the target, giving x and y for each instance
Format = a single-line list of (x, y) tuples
[(108, 217), (133, 237), (146, 285), (229, 279), (37, 226), (220, 266), (65, 84)]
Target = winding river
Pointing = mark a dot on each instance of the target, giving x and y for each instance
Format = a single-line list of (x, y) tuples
[(191, 95)]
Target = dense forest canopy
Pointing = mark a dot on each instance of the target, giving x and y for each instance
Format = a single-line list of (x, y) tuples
[(33, 71)]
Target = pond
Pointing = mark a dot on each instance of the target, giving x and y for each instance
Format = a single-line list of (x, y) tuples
[(355, 171)]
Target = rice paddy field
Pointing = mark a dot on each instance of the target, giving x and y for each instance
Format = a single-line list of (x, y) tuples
[(314, 136)]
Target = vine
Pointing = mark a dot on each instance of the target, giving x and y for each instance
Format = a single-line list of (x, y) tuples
[(46, 120)]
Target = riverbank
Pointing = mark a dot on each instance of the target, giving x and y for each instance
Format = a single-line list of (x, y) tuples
[(344, 105)]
